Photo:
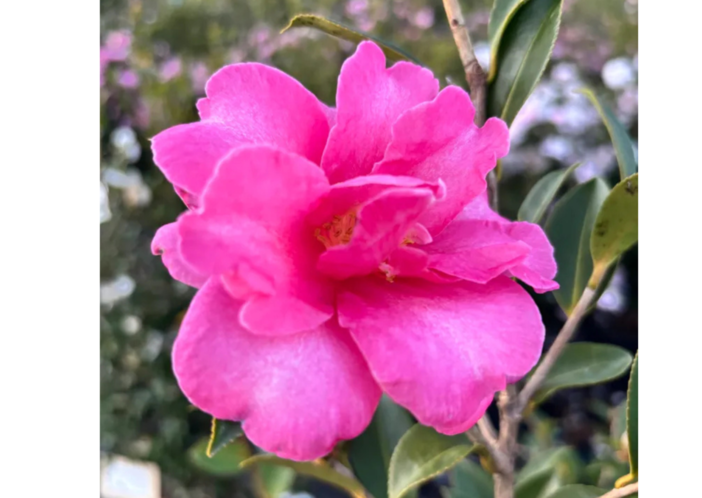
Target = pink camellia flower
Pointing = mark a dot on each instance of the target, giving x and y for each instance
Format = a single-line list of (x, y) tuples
[(341, 253)]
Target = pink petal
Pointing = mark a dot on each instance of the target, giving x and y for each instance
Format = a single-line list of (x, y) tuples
[(369, 99), (539, 266), (245, 104), (251, 229), (380, 228), (475, 250), (443, 350), (438, 140), (297, 395), (165, 244)]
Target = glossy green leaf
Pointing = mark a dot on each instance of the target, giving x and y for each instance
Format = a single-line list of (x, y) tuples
[(222, 433), (421, 454), (584, 364), (547, 471), (370, 452), (542, 193), (338, 30), (578, 491), (318, 470), (500, 15), (469, 480), (569, 228), (275, 479), (616, 226), (226, 462), (623, 147), (524, 49), (632, 418)]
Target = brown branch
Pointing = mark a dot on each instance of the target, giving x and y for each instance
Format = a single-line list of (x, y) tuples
[(475, 76), (555, 351), (622, 492)]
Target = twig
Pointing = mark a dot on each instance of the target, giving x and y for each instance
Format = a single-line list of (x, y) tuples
[(555, 351), (475, 77), (621, 492), (487, 428)]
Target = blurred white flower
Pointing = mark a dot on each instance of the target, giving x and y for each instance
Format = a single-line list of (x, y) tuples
[(117, 289), (482, 53), (618, 73), (135, 192), (105, 213), (125, 141), (557, 147), (614, 299), (131, 324)]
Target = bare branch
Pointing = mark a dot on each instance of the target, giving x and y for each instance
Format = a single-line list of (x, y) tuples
[(555, 351), (622, 492)]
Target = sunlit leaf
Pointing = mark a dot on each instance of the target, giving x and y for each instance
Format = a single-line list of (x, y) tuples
[(370, 452), (275, 479), (524, 50), (226, 462), (339, 30), (623, 147), (421, 454), (568, 228), (542, 193), (616, 226), (578, 491), (500, 15), (318, 470), (583, 364)]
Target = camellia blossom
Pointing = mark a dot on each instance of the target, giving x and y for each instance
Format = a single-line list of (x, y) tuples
[(344, 252)]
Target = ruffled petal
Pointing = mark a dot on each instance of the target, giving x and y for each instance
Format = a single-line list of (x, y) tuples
[(165, 244), (438, 140), (369, 99), (443, 350), (297, 395), (251, 229)]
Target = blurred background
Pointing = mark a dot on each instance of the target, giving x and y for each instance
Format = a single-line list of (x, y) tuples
[(155, 57)]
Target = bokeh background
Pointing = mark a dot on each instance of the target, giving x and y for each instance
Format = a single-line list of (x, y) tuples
[(155, 57)]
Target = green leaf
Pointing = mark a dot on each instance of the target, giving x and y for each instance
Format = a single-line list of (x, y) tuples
[(542, 193), (632, 418), (569, 228), (500, 15), (319, 470), (222, 433), (584, 364), (623, 147), (370, 452), (469, 480), (226, 462), (275, 479), (421, 454), (524, 50), (338, 30), (616, 227), (546, 471), (537, 486), (578, 491)]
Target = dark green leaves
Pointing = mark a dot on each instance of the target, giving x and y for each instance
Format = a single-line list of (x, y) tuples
[(632, 418), (318, 470), (616, 227), (469, 480), (524, 49), (542, 194), (370, 452), (547, 471), (620, 138), (583, 364), (345, 33), (222, 433), (421, 454), (502, 12), (569, 228), (578, 491)]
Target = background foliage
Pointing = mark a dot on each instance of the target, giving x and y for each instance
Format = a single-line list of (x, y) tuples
[(155, 58)]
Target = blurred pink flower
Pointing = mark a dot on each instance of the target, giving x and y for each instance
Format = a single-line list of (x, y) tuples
[(170, 69), (117, 45), (342, 252), (199, 75), (128, 79)]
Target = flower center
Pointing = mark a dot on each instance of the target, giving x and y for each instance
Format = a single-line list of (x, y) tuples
[(338, 231)]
